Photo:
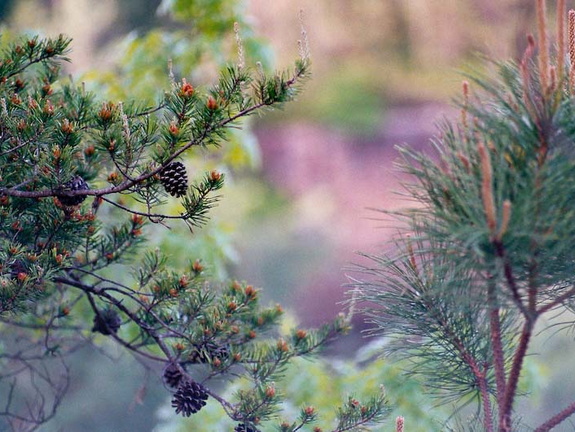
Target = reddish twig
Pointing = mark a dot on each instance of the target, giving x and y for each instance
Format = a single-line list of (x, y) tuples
[(557, 419)]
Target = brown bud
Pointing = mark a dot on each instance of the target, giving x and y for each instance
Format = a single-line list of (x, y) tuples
[(137, 219), (49, 108), (215, 176), (89, 151), (67, 127), (270, 392), (47, 90), (173, 129), (106, 111), (113, 177), (309, 411), (197, 266), (186, 90), (250, 292), (301, 334), (282, 345), (212, 104)]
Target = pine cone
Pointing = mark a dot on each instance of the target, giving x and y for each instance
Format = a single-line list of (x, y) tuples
[(189, 398), (175, 179), (207, 352), (172, 375), (77, 183), (242, 427), (107, 321)]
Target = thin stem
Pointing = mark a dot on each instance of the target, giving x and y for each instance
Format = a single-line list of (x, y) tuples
[(486, 401), (510, 278), (514, 374), (557, 301), (101, 293), (34, 61), (557, 419), (495, 333), (155, 217), (476, 369)]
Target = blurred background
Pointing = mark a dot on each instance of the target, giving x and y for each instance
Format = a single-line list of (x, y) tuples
[(305, 182)]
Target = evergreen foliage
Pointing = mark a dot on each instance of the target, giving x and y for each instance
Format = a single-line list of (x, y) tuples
[(485, 255), (80, 178)]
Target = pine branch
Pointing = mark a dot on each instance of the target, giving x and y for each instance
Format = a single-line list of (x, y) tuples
[(557, 419)]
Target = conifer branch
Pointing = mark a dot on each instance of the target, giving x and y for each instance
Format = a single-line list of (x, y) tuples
[(505, 421), (495, 332), (61, 145), (557, 419), (493, 234), (557, 301)]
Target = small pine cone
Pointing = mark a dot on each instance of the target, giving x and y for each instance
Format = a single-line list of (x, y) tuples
[(172, 375), (77, 183), (189, 398), (107, 321), (208, 352), (242, 427), (175, 179)]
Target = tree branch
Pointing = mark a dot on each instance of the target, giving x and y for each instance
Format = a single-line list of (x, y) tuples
[(557, 419), (127, 184), (496, 343), (513, 381)]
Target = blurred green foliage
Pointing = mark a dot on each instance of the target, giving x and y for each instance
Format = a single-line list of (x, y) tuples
[(351, 103), (197, 38)]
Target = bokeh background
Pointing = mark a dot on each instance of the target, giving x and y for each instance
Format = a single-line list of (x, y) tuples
[(306, 182)]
